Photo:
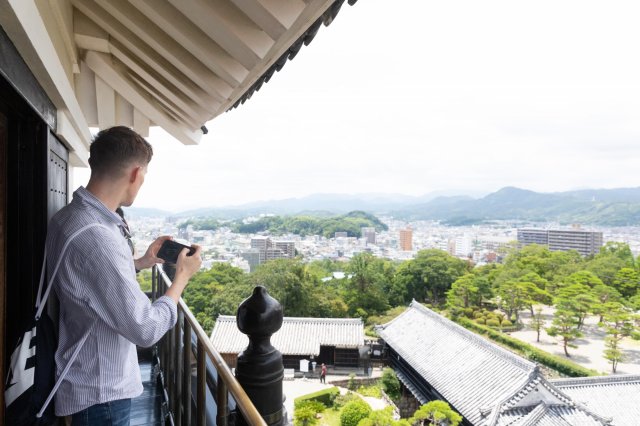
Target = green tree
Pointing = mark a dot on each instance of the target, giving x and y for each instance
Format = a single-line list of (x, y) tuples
[(618, 324), (627, 282), (580, 299), (365, 291), (430, 275), (604, 294), (464, 292), (565, 324), (390, 383), (620, 250), (437, 413)]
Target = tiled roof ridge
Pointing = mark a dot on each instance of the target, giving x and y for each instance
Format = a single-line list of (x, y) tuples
[(596, 380), (536, 414), (356, 321), (537, 379), (474, 338)]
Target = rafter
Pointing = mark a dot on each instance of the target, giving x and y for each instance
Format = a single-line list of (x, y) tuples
[(147, 55), (230, 28), (102, 66), (176, 25)]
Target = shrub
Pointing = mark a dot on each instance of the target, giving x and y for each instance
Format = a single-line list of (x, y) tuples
[(353, 412), (554, 362), (351, 384), (390, 383), (316, 406), (373, 391), (493, 322), (481, 320), (468, 312), (477, 314), (342, 400), (304, 416), (500, 316), (325, 396), (506, 323)]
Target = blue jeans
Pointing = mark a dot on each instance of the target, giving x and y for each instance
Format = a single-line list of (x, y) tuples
[(112, 413)]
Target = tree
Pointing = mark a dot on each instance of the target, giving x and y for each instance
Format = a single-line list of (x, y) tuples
[(390, 383), (620, 250), (565, 324), (365, 290), (463, 292), (604, 294), (537, 323), (437, 413), (581, 300), (513, 297), (627, 282), (618, 324), (432, 273)]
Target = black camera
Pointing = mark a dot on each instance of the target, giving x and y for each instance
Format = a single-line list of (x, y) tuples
[(170, 250)]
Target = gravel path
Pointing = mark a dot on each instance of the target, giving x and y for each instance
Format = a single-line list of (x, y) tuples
[(589, 352)]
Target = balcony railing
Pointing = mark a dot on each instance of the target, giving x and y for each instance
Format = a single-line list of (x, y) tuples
[(184, 347)]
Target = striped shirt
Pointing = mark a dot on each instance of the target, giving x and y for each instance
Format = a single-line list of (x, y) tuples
[(97, 288)]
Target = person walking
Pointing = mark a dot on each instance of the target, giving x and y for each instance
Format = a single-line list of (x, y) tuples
[(323, 373)]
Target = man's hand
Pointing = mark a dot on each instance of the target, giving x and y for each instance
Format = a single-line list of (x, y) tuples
[(189, 265), (185, 268), (150, 257)]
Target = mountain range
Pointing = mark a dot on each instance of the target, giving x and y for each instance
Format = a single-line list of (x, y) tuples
[(608, 207)]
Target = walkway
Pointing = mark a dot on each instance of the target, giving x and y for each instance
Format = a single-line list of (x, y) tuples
[(589, 352)]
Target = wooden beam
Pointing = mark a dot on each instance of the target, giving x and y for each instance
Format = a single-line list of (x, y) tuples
[(176, 25), (228, 27), (166, 46), (85, 84), (124, 111), (88, 35), (140, 123), (145, 53), (101, 65), (262, 16), (106, 101), (62, 11), (200, 113)]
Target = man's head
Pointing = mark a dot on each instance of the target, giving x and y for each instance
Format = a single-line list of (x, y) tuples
[(119, 155)]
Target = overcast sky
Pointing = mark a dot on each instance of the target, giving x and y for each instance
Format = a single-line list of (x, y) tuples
[(414, 96)]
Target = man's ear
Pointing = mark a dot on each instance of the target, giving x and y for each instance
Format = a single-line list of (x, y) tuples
[(133, 173)]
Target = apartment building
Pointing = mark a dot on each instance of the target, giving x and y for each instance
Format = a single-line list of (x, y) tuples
[(584, 242)]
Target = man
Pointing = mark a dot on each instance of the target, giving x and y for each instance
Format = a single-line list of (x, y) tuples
[(97, 288), (323, 374)]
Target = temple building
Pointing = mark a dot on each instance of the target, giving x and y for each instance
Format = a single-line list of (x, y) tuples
[(435, 358), (333, 341)]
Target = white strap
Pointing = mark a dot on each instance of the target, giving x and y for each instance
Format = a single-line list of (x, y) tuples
[(64, 372), (41, 302)]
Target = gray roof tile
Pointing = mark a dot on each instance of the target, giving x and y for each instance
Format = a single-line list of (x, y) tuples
[(298, 336)]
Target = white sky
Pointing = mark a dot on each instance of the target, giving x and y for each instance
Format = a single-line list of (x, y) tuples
[(412, 96)]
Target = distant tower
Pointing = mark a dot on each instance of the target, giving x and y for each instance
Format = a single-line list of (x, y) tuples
[(406, 239)]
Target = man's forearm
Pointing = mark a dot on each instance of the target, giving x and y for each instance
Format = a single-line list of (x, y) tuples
[(177, 287)]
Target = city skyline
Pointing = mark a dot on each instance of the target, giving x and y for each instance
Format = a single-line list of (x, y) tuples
[(426, 97)]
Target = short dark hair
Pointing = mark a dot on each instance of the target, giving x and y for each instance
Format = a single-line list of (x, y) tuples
[(116, 148)]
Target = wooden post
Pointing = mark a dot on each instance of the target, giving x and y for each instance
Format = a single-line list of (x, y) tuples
[(260, 370)]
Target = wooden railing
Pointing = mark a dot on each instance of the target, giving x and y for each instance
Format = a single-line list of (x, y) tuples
[(177, 356)]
